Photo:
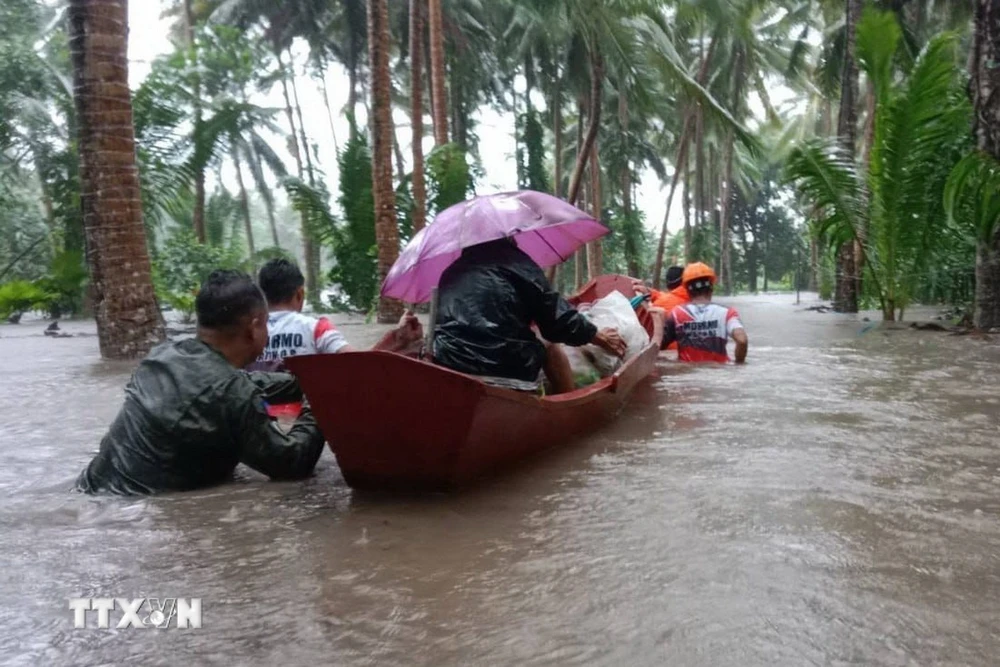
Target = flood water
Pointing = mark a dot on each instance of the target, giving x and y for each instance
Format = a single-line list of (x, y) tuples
[(834, 502)]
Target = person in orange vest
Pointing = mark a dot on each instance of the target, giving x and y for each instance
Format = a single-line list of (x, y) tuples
[(702, 328), (675, 295)]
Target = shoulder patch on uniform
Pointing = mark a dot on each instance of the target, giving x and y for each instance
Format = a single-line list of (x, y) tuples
[(323, 325)]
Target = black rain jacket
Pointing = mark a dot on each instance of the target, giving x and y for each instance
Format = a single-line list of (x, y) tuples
[(488, 300)]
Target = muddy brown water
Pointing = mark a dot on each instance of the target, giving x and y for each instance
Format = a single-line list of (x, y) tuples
[(834, 502)]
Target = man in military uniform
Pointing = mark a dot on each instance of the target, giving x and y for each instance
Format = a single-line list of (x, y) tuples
[(191, 415)]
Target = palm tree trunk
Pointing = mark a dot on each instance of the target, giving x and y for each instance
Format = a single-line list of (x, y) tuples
[(244, 203), (440, 104), (986, 125), (417, 113), (725, 218), (386, 231), (397, 153), (846, 296), (681, 165), (199, 175), (813, 264), (326, 103), (310, 246), (557, 122), (595, 251), (688, 232), (596, 89), (296, 150), (128, 318), (699, 174)]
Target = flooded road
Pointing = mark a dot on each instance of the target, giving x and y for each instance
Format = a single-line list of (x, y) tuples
[(834, 502)]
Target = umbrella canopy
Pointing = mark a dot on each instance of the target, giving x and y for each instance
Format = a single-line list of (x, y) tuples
[(547, 228)]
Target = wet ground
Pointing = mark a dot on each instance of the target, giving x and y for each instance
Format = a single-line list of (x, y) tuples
[(834, 502)]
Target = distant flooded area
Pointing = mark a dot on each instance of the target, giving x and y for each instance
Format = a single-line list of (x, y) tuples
[(836, 501)]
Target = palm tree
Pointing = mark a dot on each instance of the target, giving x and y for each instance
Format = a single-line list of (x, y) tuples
[(386, 230), (893, 210), (128, 319), (417, 112), (846, 296), (440, 98), (985, 81)]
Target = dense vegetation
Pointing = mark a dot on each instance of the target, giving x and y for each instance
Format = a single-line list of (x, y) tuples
[(850, 145)]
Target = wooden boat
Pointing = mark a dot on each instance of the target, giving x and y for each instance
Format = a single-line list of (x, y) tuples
[(399, 423)]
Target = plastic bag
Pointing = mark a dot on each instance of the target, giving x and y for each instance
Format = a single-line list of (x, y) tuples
[(615, 311), (582, 366)]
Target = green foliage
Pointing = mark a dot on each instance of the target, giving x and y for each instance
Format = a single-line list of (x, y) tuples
[(895, 210), (532, 174), (972, 196), (764, 236), (182, 302), (629, 246), (64, 283), (182, 264), (449, 180), (353, 243), (21, 296)]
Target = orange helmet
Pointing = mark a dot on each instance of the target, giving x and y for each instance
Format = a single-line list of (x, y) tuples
[(696, 271)]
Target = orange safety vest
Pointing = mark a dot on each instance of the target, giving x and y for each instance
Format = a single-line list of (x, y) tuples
[(670, 300)]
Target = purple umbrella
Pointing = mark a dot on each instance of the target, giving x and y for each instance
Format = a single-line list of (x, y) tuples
[(548, 229)]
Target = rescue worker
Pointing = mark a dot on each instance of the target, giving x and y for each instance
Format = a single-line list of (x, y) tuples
[(190, 413), (488, 300), (675, 295), (291, 332), (702, 328)]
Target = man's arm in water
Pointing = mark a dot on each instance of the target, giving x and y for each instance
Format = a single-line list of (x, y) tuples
[(740, 336), (262, 445)]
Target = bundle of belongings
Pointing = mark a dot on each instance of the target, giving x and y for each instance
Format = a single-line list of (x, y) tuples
[(589, 362)]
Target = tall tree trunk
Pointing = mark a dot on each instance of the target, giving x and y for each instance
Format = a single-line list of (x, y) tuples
[(680, 165), (557, 122), (244, 203), (595, 251), (725, 218), (265, 192), (846, 297), (440, 104), (352, 98), (199, 175), (296, 150), (326, 103), (631, 252), (679, 168), (688, 231), (459, 130), (986, 102), (128, 318), (596, 89), (417, 113), (813, 264), (310, 245), (397, 153), (386, 231), (699, 176)]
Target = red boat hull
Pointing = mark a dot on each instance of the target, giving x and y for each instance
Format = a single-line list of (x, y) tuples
[(394, 422)]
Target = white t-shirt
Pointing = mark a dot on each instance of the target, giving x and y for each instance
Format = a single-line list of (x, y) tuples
[(291, 334)]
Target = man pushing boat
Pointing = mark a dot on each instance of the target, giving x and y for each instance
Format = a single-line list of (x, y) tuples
[(191, 414)]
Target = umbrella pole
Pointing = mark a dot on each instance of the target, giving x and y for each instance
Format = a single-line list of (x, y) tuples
[(431, 323)]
